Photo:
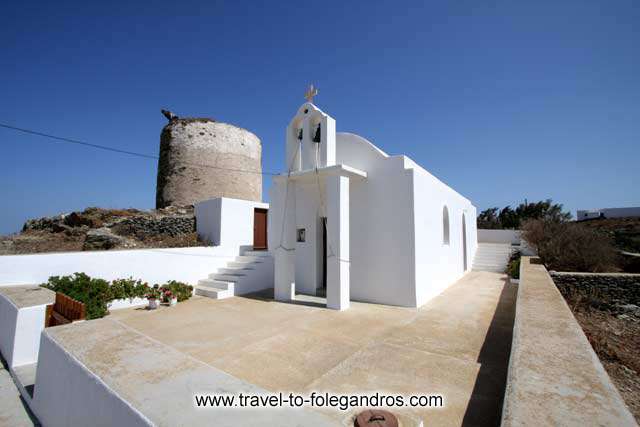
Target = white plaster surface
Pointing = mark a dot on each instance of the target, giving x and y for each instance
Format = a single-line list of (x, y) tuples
[(8, 322), (138, 382), (119, 304), (67, 393), (583, 214), (21, 324), (397, 255), (499, 236), (227, 222), (150, 265)]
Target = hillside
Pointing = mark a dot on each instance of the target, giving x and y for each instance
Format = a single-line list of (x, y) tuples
[(104, 229), (625, 232)]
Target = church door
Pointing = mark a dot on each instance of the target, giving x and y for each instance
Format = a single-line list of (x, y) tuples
[(260, 229)]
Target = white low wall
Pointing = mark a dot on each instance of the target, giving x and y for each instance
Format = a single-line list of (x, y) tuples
[(8, 320), (226, 222), (499, 236), (20, 330), (67, 389), (119, 304), (555, 377), (150, 265)]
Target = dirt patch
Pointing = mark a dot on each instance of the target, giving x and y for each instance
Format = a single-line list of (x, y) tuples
[(614, 334)]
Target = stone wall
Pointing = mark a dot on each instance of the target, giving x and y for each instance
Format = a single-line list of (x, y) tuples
[(615, 289), (171, 225)]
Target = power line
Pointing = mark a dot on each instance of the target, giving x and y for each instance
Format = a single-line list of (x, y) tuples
[(130, 153)]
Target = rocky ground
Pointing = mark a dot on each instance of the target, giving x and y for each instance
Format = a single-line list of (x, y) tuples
[(613, 329), (104, 229), (625, 232)]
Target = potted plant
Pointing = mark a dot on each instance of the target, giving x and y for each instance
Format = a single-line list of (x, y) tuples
[(170, 298), (153, 295)]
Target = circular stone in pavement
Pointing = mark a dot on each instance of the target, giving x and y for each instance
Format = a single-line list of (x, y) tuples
[(375, 418)]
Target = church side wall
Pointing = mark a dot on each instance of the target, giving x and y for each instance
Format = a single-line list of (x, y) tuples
[(381, 235), (437, 264)]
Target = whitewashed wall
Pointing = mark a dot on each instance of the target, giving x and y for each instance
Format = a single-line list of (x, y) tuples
[(396, 252), (66, 390), (20, 332), (8, 322), (382, 253), (227, 222), (150, 265), (511, 237), (437, 264)]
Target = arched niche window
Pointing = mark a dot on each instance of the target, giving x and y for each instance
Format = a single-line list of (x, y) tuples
[(445, 226)]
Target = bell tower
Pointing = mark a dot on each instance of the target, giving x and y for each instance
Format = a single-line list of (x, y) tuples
[(311, 137)]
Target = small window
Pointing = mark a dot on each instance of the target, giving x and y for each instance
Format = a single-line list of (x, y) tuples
[(445, 226), (301, 235)]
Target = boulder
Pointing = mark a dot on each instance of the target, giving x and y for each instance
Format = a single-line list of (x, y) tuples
[(102, 238)]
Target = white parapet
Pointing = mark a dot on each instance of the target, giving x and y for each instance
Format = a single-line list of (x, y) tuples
[(22, 316)]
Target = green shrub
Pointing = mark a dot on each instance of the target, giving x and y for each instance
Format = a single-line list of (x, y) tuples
[(128, 288), (179, 289), (94, 293), (513, 269)]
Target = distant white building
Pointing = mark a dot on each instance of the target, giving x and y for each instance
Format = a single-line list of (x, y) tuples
[(585, 214), (349, 220)]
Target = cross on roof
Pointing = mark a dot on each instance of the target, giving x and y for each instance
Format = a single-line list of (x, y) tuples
[(311, 92)]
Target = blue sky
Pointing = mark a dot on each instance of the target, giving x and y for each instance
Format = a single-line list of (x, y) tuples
[(502, 100)]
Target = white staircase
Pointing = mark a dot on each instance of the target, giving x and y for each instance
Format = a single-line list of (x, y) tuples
[(249, 272), (492, 257)]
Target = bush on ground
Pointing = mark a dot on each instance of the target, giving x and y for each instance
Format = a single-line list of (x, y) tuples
[(128, 288), (181, 290), (94, 293), (571, 247), (513, 268)]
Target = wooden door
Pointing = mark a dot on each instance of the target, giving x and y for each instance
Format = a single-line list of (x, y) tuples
[(260, 229)]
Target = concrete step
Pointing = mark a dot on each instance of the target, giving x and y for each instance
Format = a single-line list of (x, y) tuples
[(489, 266), (489, 262), (226, 277), (489, 256), (235, 270), (247, 258), (489, 247), (257, 253), (492, 270), (242, 264), (214, 293), (218, 284), (492, 252)]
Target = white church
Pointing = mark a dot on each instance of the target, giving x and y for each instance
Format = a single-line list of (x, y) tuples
[(348, 221)]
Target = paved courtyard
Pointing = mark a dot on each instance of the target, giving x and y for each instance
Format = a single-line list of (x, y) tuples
[(13, 411), (456, 345)]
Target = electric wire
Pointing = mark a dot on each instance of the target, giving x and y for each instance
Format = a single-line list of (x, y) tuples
[(127, 152)]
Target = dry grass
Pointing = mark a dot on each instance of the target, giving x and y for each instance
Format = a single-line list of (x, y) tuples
[(614, 337)]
